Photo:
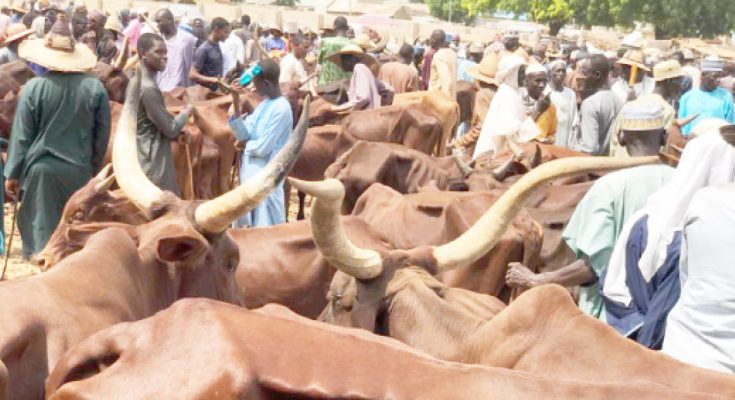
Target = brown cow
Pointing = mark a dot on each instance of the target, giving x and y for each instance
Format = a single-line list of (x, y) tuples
[(13, 75), (183, 251), (273, 354), (380, 279), (432, 218)]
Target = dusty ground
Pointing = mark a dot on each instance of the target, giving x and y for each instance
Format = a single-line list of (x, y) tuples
[(18, 268)]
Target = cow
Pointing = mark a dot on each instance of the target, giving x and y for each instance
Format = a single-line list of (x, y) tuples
[(13, 76), (273, 354), (380, 280), (433, 217), (184, 251), (444, 108)]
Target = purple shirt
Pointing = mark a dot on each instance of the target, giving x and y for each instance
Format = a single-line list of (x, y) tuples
[(180, 54)]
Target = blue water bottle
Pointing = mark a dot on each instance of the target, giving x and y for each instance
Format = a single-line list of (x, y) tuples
[(250, 74)]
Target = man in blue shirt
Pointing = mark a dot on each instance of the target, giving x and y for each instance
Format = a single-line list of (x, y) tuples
[(264, 131), (275, 40), (208, 65), (709, 100)]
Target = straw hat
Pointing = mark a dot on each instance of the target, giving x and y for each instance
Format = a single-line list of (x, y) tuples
[(58, 51), (114, 25), (352, 49), (487, 68), (363, 40), (634, 57), (476, 48), (275, 28), (18, 6), (16, 32), (667, 70)]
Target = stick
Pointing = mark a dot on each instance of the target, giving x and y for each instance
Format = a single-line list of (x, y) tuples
[(190, 169), (10, 240), (633, 75)]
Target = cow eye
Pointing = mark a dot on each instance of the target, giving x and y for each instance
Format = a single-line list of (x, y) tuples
[(232, 265), (78, 216)]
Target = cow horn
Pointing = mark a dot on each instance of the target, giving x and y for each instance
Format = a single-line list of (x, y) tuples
[(216, 215), (122, 58), (682, 122), (463, 166), (486, 232), (130, 176), (105, 178), (328, 234)]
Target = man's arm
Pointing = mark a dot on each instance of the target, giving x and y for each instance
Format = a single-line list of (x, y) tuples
[(200, 57), (589, 131), (276, 126), (577, 273), (156, 111), (101, 129)]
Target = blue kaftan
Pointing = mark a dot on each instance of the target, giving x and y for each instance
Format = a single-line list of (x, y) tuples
[(265, 131)]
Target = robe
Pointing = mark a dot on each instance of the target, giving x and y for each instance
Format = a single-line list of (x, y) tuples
[(443, 72), (565, 102), (715, 104), (265, 132), (401, 77), (331, 72), (156, 128), (483, 98), (58, 141)]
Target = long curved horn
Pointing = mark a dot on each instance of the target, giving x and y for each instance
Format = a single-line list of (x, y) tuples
[(130, 176), (463, 166), (682, 122), (216, 215), (122, 58), (105, 178), (486, 232), (328, 234)]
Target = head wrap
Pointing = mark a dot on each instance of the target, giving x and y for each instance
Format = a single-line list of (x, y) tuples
[(508, 70), (640, 115)]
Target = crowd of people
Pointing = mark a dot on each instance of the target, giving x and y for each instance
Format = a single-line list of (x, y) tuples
[(651, 242)]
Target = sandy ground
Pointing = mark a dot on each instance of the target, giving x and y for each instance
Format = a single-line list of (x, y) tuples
[(18, 268)]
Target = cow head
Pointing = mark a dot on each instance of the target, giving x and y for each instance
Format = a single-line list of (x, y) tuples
[(374, 272), (94, 202), (114, 80), (188, 240)]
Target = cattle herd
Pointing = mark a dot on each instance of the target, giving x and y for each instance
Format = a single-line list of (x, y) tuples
[(392, 288)]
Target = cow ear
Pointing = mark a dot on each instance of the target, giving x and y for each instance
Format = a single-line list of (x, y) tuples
[(185, 249), (78, 234)]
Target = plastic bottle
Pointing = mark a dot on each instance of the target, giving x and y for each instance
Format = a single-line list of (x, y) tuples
[(250, 74)]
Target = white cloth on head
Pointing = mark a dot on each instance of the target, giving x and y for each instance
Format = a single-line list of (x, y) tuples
[(506, 118), (707, 160)]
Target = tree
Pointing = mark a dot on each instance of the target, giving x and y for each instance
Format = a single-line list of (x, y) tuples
[(287, 3), (442, 8), (555, 13)]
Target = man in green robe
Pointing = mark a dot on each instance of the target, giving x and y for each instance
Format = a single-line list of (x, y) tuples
[(59, 135), (156, 127), (599, 217), (332, 72)]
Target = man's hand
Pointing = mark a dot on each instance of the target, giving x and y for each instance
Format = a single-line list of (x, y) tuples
[(188, 110), (520, 276), (12, 189), (184, 138), (541, 106)]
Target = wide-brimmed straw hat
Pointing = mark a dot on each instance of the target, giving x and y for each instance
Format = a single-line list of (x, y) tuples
[(18, 6), (667, 70), (15, 32), (57, 51), (634, 57), (275, 28), (352, 49), (363, 40), (487, 68), (113, 24)]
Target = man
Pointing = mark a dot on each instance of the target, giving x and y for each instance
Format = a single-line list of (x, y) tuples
[(329, 45), (699, 328), (401, 75), (694, 75), (363, 90), (233, 50), (133, 30), (475, 53), (180, 46), (124, 18), (484, 74), (644, 84), (598, 219), (265, 132), (97, 39), (156, 127), (441, 70), (5, 20), (538, 102), (208, 65), (275, 40), (78, 25), (565, 101), (245, 31), (292, 67), (59, 136), (15, 35), (599, 107), (709, 100)]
